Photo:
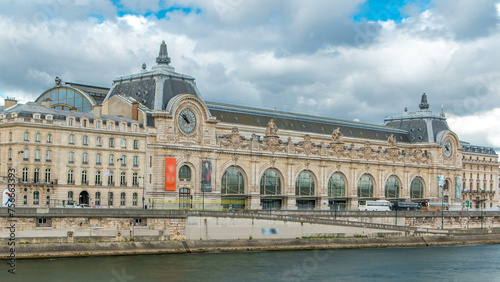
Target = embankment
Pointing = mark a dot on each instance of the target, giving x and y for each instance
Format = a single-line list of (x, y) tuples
[(159, 247)]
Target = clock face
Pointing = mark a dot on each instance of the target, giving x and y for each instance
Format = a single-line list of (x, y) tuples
[(187, 121), (447, 149)]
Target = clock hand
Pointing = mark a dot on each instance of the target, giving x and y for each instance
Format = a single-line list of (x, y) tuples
[(185, 118)]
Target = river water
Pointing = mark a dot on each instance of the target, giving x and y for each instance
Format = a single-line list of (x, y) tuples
[(434, 263)]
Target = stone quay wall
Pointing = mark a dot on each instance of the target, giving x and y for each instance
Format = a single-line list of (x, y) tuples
[(58, 225)]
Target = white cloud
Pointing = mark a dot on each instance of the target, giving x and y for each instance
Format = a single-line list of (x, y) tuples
[(285, 54)]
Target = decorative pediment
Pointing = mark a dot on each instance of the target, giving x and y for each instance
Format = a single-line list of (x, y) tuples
[(306, 146), (367, 152), (234, 140), (419, 156)]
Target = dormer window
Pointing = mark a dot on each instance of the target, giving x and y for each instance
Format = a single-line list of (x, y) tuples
[(110, 125), (48, 117), (122, 127), (70, 121), (84, 123), (98, 124), (134, 128), (36, 116)]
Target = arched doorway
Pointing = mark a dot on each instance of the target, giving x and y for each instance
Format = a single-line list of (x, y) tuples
[(83, 199)]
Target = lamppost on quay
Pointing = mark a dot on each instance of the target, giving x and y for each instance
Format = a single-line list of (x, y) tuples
[(271, 200), (143, 196)]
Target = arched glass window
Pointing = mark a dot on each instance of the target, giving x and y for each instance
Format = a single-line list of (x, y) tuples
[(98, 159), (184, 172), (336, 186), (392, 188), (85, 140), (233, 182), (48, 156), (65, 98), (71, 139), (304, 185), (111, 162), (270, 183), (365, 186), (417, 189)]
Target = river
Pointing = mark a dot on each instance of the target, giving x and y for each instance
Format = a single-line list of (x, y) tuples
[(433, 263)]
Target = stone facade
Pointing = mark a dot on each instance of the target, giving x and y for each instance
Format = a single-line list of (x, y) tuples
[(227, 156)]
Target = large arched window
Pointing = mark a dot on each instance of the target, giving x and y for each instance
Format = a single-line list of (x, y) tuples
[(184, 173), (65, 98), (270, 183), (304, 184), (365, 186), (336, 186), (392, 188), (417, 189), (233, 182)]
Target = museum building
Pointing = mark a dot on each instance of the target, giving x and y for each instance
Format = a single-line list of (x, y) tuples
[(152, 141)]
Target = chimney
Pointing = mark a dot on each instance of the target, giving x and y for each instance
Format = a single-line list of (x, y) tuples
[(135, 110), (9, 102), (47, 103), (97, 111)]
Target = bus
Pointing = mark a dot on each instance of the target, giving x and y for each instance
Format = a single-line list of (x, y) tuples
[(379, 205), (406, 206)]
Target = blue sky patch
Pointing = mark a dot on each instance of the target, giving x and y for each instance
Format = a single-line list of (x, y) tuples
[(161, 14), (383, 10)]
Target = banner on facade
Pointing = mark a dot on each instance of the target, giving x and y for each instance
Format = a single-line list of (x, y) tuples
[(170, 170), (441, 182), (458, 188), (206, 176)]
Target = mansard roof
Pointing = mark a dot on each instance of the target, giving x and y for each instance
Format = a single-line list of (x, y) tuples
[(29, 109), (155, 88), (240, 115)]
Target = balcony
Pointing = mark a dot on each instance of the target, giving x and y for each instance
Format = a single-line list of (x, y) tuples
[(34, 181), (85, 183), (98, 183), (135, 184), (71, 182), (111, 184), (123, 184)]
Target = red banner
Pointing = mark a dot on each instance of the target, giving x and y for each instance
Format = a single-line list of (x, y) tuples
[(170, 169)]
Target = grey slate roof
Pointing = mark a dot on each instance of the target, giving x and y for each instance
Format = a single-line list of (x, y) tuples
[(239, 115), (479, 150), (27, 110)]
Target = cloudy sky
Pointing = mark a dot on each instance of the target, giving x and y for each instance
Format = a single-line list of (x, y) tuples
[(354, 60)]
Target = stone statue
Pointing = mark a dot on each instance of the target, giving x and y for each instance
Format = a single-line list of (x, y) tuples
[(271, 129), (337, 136)]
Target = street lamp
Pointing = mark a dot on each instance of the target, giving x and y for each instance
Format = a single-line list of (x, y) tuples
[(333, 200), (143, 206), (271, 200), (442, 209)]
